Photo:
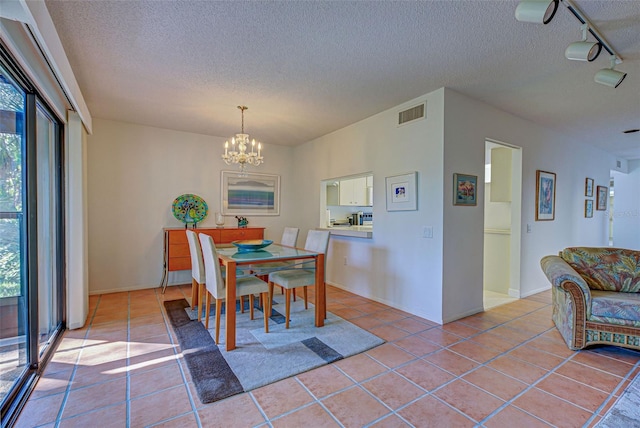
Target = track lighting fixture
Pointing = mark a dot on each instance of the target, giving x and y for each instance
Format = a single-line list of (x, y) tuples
[(609, 76), (536, 11), (583, 50), (542, 12)]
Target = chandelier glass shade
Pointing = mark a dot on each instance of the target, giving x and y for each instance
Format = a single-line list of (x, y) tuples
[(237, 152)]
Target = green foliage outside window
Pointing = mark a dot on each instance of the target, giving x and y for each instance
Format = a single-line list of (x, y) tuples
[(11, 106)]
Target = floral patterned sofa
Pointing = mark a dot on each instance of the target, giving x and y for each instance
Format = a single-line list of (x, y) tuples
[(596, 295)]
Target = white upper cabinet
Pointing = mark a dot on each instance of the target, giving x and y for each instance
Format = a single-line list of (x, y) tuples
[(353, 192)]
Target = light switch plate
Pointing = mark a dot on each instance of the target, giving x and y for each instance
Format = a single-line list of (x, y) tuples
[(427, 232)]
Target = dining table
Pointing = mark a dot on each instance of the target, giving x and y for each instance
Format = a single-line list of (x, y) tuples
[(234, 258)]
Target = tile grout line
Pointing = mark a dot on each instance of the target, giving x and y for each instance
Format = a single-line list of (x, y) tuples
[(178, 360), (67, 390), (128, 361), (612, 394)]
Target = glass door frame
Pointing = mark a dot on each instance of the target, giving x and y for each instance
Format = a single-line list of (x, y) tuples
[(36, 360)]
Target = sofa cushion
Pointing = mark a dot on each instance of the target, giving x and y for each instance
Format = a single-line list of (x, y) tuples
[(604, 268), (615, 305)]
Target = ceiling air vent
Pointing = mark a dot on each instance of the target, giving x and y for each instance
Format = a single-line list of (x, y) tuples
[(413, 113)]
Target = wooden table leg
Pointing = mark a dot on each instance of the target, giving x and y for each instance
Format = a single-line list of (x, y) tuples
[(321, 303), (230, 315)]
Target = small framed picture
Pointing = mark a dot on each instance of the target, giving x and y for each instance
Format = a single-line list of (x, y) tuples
[(402, 192), (588, 187), (588, 208), (601, 198), (465, 189), (545, 195)]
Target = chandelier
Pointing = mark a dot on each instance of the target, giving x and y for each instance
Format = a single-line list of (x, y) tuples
[(240, 155)]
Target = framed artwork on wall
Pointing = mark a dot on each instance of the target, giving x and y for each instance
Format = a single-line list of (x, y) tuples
[(545, 195), (588, 187), (465, 189), (588, 208), (254, 194), (402, 194), (601, 198)]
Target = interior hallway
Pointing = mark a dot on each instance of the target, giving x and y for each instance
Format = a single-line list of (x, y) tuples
[(491, 369)]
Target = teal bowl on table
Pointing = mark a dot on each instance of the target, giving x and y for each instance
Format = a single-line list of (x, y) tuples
[(251, 245)]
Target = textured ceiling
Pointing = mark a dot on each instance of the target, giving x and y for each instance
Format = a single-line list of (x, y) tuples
[(308, 68)]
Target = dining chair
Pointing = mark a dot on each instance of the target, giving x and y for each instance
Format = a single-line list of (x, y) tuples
[(197, 271), (289, 238), (318, 242), (215, 285)]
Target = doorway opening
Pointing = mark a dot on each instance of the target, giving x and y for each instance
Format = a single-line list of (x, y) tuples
[(610, 210), (502, 220)]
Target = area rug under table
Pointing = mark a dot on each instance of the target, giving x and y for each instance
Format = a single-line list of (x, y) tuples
[(261, 358)]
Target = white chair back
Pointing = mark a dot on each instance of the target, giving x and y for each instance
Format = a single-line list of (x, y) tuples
[(197, 267), (317, 241), (214, 282), (290, 236)]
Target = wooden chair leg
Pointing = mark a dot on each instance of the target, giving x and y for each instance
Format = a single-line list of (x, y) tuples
[(287, 306), (201, 291), (306, 304), (294, 294), (251, 307), (218, 310), (208, 307), (265, 309), (194, 293), (242, 304)]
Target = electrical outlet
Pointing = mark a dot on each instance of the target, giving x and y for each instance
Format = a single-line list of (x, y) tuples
[(427, 232)]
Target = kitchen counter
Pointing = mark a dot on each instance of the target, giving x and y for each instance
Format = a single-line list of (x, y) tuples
[(352, 231)]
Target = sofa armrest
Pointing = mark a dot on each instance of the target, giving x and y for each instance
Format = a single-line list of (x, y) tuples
[(562, 275)]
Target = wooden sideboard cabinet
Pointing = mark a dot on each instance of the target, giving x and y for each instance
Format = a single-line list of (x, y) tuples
[(176, 247)]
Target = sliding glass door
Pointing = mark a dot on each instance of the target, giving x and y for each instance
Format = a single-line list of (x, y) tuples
[(31, 237), (13, 291), (48, 185)]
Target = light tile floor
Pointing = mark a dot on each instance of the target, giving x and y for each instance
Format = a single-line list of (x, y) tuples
[(505, 367), (491, 299)]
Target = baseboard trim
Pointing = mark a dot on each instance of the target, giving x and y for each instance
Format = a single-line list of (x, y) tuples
[(384, 302), (536, 291), (463, 315), (132, 288)]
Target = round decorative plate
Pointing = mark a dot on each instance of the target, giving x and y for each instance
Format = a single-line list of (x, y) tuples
[(252, 245), (189, 208)]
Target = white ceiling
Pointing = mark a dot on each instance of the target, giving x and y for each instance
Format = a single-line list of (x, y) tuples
[(308, 68)]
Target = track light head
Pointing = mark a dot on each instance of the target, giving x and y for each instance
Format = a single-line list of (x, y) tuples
[(536, 11), (609, 76), (583, 51)]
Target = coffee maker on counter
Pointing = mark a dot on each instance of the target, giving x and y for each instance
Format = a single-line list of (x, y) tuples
[(356, 218)]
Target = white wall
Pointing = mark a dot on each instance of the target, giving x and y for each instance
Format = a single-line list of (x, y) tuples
[(134, 174), (626, 208), (468, 124), (397, 266)]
